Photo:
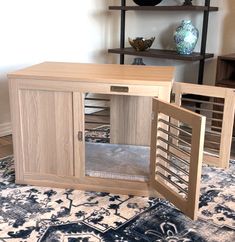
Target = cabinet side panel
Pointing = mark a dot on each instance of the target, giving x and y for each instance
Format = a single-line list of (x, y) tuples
[(47, 131)]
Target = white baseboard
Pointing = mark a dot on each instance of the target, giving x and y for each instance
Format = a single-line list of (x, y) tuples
[(5, 129)]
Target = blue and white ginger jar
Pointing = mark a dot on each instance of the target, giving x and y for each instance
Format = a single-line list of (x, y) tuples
[(186, 37)]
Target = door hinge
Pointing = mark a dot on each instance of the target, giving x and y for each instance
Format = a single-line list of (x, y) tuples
[(80, 135), (153, 116)]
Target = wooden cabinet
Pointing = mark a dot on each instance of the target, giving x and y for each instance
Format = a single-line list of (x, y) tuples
[(142, 157), (161, 53), (225, 74)]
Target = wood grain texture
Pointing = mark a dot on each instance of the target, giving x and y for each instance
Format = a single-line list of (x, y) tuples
[(130, 120), (98, 88), (188, 205), (204, 90), (79, 123), (92, 184), (47, 131), (225, 73), (228, 95), (227, 128), (47, 103), (100, 73)]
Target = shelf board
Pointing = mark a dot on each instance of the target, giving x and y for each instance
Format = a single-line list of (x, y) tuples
[(226, 83), (164, 8), (229, 57), (164, 54)]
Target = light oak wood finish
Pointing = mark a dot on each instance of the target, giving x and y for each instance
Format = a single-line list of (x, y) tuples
[(47, 105), (74, 80), (188, 205), (47, 131), (228, 95), (79, 145), (97, 73), (130, 120), (98, 88)]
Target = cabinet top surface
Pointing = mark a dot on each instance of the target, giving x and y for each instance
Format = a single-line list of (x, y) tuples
[(100, 73)]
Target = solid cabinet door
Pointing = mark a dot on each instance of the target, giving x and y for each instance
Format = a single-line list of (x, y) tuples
[(175, 167), (46, 119)]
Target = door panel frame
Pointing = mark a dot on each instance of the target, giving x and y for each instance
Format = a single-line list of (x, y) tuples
[(188, 205), (228, 95)]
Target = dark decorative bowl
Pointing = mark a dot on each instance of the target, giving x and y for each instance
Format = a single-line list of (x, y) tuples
[(147, 2), (141, 44)]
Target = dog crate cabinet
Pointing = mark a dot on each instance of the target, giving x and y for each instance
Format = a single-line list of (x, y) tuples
[(48, 106)]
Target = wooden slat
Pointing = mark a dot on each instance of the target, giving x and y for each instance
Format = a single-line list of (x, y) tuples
[(201, 101), (225, 131), (171, 163), (198, 132), (174, 146), (203, 90), (177, 127), (173, 136), (188, 205), (227, 128), (172, 183), (202, 109), (172, 173), (176, 154)]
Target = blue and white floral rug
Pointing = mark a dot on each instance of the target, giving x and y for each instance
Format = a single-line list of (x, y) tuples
[(30, 213)]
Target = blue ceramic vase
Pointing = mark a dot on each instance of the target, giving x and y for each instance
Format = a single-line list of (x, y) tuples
[(186, 37)]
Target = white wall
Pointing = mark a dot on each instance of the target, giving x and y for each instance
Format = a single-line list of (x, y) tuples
[(34, 31), (227, 35), (162, 25), (221, 34)]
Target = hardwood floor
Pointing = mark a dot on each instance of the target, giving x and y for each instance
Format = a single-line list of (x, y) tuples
[(6, 147)]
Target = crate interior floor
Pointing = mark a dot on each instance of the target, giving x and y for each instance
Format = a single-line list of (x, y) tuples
[(128, 162)]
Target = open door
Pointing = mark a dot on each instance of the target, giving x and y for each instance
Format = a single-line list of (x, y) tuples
[(175, 167), (217, 104)]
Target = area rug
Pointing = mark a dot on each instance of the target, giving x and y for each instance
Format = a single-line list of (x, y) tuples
[(30, 213)]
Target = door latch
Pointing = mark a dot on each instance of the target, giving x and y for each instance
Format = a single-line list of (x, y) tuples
[(80, 135)]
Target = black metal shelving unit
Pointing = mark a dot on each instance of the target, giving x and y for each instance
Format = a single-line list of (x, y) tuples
[(166, 54)]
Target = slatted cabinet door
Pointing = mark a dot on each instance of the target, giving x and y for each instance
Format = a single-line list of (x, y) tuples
[(175, 171), (217, 104)]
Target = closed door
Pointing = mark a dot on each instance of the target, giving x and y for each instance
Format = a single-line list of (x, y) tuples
[(47, 132)]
